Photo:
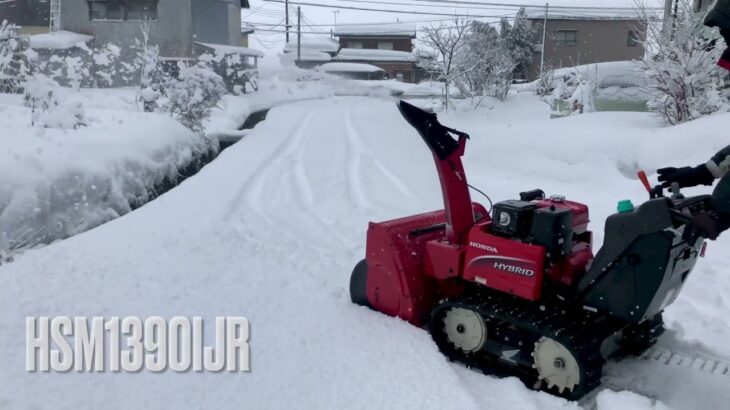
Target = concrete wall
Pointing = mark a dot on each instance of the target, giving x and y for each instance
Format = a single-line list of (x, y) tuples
[(399, 43), (598, 41)]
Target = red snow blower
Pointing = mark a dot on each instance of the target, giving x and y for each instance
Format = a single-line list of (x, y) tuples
[(519, 292)]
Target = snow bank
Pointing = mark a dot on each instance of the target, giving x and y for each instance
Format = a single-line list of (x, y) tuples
[(61, 40), (56, 183)]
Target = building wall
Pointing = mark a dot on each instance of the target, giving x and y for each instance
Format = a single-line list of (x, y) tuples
[(399, 43), (216, 21), (31, 15), (172, 30), (393, 68), (597, 41)]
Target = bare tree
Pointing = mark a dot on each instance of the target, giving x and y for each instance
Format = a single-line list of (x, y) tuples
[(447, 39)]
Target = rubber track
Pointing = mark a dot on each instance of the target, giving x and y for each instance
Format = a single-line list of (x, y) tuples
[(581, 336)]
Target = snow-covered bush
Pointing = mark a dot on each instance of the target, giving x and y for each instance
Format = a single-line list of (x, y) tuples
[(238, 76), (48, 109), (14, 59), (684, 81), (191, 96), (105, 65)]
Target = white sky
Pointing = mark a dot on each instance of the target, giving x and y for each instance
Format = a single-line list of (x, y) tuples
[(269, 15)]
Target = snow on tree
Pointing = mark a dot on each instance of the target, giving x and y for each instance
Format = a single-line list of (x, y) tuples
[(685, 82), (447, 40), (48, 109), (193, 94), (145, 70), (14, 58), (486, 62), (427, 61), (520, 44)]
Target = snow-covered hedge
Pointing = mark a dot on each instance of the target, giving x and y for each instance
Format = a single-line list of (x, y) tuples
[(56, 183)]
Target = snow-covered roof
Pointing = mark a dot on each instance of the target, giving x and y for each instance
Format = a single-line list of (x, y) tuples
[(349, 68), (326, 45), (226, 49), (61, 40), (539, 14), (361, 54), (309, 55), (376, 30)]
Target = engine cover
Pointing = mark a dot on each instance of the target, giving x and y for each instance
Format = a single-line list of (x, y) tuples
[(504, 264)]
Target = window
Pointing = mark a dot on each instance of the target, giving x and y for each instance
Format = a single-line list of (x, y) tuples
[(385, 45), (142, 10), (634, 38), (354, 44), (566, 38), (122, 10)]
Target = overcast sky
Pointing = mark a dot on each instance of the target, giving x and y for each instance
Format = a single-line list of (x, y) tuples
[(266, 15)]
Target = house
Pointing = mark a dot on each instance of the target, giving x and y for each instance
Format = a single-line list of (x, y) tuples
[(388, 46), (246, 30), (573, 39), (178, 27), (312, 51), (33, 16)]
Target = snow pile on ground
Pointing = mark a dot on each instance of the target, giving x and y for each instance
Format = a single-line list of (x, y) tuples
[(272, 229), (57, 182)]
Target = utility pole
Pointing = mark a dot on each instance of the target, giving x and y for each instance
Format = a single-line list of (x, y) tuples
[(299, 33), (544, 37), (332, 33), (286, 11)]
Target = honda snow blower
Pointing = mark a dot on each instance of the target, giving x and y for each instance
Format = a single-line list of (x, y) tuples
[(520, 293)]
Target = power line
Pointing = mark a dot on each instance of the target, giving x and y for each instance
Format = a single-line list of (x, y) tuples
[(532, 5), (301, 3)]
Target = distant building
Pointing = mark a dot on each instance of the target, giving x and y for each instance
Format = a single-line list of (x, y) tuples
[(388, 46), (33, 16), (575, 39), (178, 27), (314, 51)]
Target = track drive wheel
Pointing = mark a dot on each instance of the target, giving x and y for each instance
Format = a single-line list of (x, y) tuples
[(465, 329), (560, 368), (358, 284)]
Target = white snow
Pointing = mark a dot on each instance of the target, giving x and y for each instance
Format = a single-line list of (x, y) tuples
[(61, 40), (359, 54), (57, 182), (323, 44), (349, 68), (308, 55), (392, 30), (272, 229), (593, 14), (228, 49)]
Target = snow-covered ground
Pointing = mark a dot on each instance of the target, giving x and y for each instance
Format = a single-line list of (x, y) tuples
[(272, 229)]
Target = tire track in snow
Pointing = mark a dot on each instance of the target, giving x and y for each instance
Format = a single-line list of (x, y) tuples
[(354, 149), (254, 185), (356, 139)]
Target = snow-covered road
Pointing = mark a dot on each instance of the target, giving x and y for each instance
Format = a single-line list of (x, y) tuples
[(271, 231)]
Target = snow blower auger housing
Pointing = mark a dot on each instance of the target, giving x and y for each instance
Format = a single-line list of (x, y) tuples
[(519, 292)]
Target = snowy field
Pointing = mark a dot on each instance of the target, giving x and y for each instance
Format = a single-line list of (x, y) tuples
[(272, 229)]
